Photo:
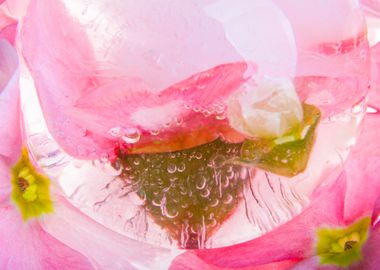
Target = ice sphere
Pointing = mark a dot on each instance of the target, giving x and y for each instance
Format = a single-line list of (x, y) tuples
[(136, 97)]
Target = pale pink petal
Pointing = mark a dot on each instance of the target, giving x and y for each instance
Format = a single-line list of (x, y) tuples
[(25, 246), (92, 78), (5, 19), (107, 249), (292, 241), (10, 143), (5, 184), (321, 27), (372, 6), (363, 188), (15, 8)]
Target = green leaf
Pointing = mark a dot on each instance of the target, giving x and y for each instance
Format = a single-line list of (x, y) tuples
[(189, 193), (287, 155)]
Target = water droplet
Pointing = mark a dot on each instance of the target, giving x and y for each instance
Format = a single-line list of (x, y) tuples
[(197, 109), (213, 222), (115, 132), (154, 132), (221, 116), (228, 199), (201, 183), (220, 108), (156, 203), (132, 136), (205, 193), (206, 113), (214, 203), (226, 181), (179, 121), (181, 167), (198, 155), (172, 168), (172, 214)]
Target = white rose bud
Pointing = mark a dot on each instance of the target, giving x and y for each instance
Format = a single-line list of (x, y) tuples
[(265, 108)]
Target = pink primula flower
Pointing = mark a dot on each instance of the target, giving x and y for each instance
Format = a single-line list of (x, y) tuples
[(23, 245), (56, 237)]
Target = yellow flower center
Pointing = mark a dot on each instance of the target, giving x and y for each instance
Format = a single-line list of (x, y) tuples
[(30, 189), (342, 247), (346, 243)]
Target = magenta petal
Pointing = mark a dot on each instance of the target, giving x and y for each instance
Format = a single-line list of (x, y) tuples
[(9, 33), (362, 169), (371, 252), (312, 263), (363, 166), (28, 247), (190, 261), (292, 241)]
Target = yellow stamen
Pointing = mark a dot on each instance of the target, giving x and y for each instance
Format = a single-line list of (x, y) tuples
[(30, 189)]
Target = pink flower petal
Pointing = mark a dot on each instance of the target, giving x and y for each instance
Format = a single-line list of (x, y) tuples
[(7, 25), (363, 188), (10, 146), (28, 247), (92, 79), (9, 33), (371, 252), (107, 249), (190, 261), (312, 263), (373, 6), (362, 169)]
